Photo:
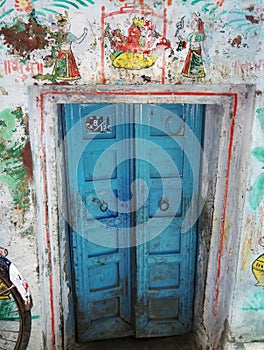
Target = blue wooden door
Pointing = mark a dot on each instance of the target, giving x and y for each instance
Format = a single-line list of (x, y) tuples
[(166, 259), (101, 267), (132, 171)]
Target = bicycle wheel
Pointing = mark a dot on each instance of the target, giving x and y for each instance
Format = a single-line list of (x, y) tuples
[(15, 320)]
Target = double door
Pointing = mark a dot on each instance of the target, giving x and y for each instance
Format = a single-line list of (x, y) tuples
[(132, 175)]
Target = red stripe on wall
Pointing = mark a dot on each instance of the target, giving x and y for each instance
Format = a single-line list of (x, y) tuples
[(43, 157), (223, 218)]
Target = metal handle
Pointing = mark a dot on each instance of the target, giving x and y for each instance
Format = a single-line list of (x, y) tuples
[(103, 206), (164, 204)]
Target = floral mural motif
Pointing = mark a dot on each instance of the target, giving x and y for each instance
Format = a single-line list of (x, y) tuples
[(53, 7), (211, 7), (248, 22), (13, 172)]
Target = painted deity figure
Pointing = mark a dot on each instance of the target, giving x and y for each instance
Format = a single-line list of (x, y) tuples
[(65, 67), (133, 51), (193, 65)]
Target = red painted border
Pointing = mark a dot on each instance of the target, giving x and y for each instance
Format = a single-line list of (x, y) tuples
[(45, 210), (223, 218), (139, 93)]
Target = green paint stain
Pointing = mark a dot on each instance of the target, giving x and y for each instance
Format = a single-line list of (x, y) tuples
[(8, 311), (7, 124), (213, 10), (257, 192), (254, 304), (62, 6), (12, 171), (82, 3), (6, 13), (206, 6), (29, 232), (260, 116), (258, 153), (257, 189), (67, 2), (50, 10), (2, 3), (35, 317), (194, 2)]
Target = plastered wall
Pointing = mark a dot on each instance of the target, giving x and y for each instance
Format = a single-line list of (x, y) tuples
[(96, 42)]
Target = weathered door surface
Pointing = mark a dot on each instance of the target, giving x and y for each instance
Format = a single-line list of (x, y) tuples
[(133, 176)]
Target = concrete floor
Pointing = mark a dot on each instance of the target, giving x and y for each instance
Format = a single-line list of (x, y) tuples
[(186, 342)]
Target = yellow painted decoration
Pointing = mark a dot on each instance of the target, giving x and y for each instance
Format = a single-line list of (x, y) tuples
[(2, 289), (258, 270), (130, 60)]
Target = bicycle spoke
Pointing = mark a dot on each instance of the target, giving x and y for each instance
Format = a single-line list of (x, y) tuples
[(7, 330), (10, 322), (6, 290), (9, 340), (15, 321)]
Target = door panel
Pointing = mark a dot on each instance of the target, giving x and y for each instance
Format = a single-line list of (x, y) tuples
[(166, 263), (101, 271), (146, 290)]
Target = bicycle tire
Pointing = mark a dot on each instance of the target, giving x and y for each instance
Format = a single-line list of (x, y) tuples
[(17, 317)]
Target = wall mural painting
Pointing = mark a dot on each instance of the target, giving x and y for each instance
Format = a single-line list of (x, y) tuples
[(65, 67), (15, 157), (136, 50), (142, 44), (137, 42), (61, 58), (211, 7), (53, 7), (26, 34), (134, 39), (242, 22), (193, 66), (24, 37), (247, 22)]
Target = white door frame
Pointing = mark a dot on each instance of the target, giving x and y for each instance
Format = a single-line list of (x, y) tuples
[(228, 126)]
